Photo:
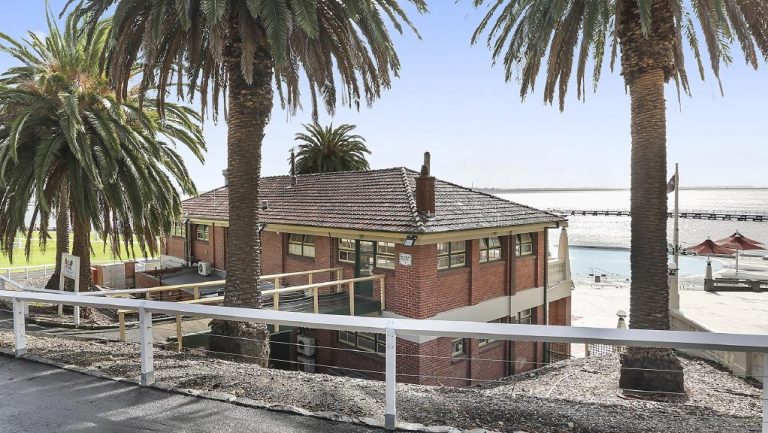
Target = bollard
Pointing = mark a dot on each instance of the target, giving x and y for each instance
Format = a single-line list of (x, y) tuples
[(145, 343), (19, 331), (390, 409)]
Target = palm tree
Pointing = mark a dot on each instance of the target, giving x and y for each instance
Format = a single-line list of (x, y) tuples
[(651, 34), (237, 48), (67, 143), (329, 149)]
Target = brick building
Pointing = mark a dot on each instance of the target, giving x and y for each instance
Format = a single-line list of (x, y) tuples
[(447, 252)]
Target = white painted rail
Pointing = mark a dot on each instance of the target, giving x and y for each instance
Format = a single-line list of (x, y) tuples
[(391, 328)]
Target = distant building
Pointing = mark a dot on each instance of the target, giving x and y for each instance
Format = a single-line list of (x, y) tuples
[(473, 256)]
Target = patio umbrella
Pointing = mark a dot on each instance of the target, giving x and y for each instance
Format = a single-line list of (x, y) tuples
[(709, 248), (739, 242)]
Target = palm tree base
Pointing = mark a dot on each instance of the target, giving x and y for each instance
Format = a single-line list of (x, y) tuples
[(651, 371), (249, 340), (53, 282)]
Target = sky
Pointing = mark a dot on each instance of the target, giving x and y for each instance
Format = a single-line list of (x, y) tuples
[(451, 101)]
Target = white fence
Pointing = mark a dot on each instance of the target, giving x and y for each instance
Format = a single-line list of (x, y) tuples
[(392, 328), (36, 271)]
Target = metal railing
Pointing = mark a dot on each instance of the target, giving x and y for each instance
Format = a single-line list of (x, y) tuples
[(391, 328)]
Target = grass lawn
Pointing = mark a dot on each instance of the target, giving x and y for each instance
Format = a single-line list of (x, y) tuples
[(48, 257)]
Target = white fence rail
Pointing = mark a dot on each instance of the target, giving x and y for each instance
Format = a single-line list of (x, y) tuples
[(36, 271), (392, 328)]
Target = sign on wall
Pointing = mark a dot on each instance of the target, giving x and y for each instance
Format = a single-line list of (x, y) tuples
[(406, 259)]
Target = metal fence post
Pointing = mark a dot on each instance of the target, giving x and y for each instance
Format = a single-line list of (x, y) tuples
[(19, 331), (390, 411), (145, 342)]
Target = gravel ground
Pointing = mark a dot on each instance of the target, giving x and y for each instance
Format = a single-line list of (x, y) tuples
[(575, 396)]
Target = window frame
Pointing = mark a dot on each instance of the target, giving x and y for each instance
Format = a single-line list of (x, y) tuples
[(483, 342), (524, 317), (304, 245), (463, 347), (347, 250), (451, 254), (179, 230), (206, 232), (519, 245), (484, 245), (378, 341), (389, 257)]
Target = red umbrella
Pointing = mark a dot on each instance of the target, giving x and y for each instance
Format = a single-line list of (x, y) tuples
[(709, 248), (739, 242)]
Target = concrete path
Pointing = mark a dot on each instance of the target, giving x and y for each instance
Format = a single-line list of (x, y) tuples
[(40, 398)]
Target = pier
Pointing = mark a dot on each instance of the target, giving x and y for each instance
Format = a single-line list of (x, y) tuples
[(688, 214)]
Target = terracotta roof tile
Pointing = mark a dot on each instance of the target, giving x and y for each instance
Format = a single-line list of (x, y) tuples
[(376, 200)]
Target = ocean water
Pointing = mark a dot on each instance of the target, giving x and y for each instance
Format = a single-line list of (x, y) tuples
[(608, 238)]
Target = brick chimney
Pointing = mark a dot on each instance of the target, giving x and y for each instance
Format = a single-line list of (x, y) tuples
[(425, 189)]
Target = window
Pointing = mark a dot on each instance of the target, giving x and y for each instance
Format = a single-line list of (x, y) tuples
[(385, 255), (202, 232), (179, 229), (481, 342), (524, 245), (490, 249), (524, 317), (301, 245), (451, 254), (369, 342), (347, 250), (457, 347)]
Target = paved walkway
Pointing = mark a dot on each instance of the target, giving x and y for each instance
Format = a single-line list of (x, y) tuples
[(40, 398)]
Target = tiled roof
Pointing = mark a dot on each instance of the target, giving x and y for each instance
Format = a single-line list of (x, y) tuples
[(375, 200)]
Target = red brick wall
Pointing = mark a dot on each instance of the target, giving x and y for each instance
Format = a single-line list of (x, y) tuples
[(487, 279), (202, 251), (144, 280), (271, 253), (415, 291), (218, 237), (174, 246), (525, 273)]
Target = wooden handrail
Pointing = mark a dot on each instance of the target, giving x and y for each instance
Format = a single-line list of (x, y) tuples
[(203, 284)]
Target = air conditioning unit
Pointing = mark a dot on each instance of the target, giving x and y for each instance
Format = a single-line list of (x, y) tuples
[(305, 345), (204, 268), (307, 365)]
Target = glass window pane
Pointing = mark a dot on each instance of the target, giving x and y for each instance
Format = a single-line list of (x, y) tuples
[(309, 251), (523, 238), (483, 244), (387, 262), (385, 248), (347, 244), (494, 254), (457, 260), (309, 239), (443, 248), (458, 246), (443, 262), (483, 256), (494, 242), (295, 238)]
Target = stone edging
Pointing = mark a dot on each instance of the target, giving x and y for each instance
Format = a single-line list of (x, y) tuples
[(247, 402)]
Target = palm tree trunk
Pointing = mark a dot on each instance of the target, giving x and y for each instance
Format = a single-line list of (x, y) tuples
[(81, 247), (249, 109), (62, 237), (646, 68)]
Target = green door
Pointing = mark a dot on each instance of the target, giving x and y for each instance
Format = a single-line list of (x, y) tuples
[(364, 262)]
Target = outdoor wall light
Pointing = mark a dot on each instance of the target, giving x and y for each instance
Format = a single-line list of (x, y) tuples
[(410, 241)]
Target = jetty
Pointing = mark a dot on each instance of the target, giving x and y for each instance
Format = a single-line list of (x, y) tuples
[(688, 214)]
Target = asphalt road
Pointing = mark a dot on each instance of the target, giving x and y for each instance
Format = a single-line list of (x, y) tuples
[(40, 398)]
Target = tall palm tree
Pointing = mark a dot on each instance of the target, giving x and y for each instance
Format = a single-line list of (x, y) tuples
[(67, 143), (236, 48), (651, 35), (328, 149)]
